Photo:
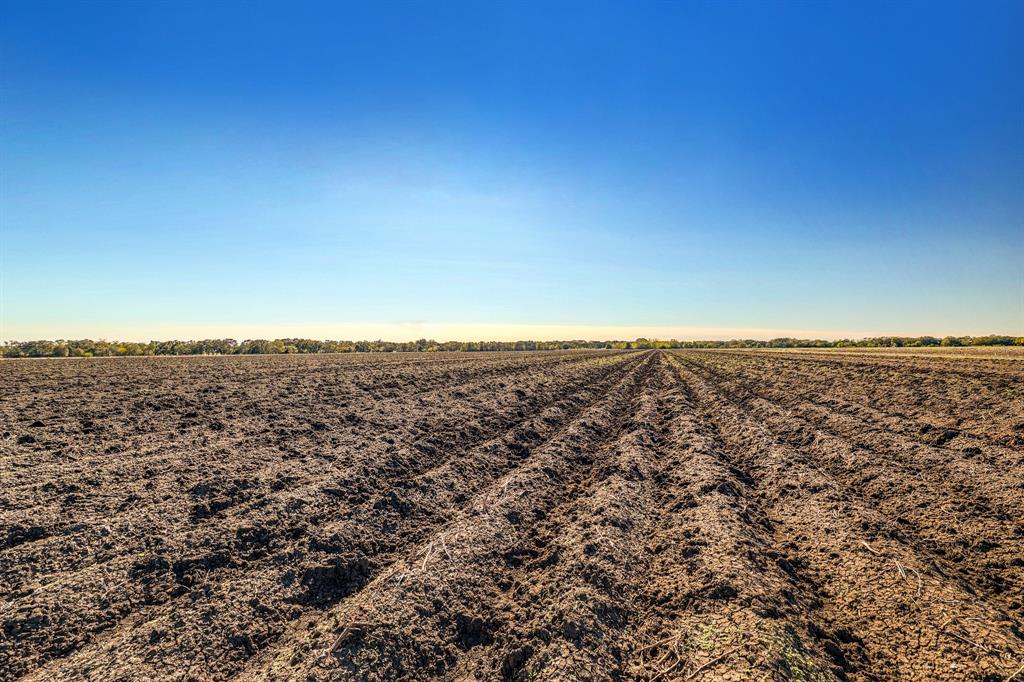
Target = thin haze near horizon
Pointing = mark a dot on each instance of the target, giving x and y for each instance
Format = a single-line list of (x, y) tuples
[(510, 170)]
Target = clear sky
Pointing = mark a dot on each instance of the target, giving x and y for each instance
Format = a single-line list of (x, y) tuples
[(175, 169)]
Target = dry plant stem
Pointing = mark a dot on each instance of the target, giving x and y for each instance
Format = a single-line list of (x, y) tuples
[(1015, 673), (350, 629), (712, 662)]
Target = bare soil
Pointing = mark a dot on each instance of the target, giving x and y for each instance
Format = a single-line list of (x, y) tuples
[(685, 515)]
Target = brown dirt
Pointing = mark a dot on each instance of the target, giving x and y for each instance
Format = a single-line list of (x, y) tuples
[(726, 515)]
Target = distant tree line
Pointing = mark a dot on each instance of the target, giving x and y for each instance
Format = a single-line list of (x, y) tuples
[(873, 342), (87, 348)]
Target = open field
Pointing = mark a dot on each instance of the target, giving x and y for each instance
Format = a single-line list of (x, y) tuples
[(588, 515)]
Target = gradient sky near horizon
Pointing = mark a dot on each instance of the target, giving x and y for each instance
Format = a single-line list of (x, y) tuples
[(195, 169)]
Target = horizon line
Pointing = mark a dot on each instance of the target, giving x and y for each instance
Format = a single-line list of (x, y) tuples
[(403, 332)]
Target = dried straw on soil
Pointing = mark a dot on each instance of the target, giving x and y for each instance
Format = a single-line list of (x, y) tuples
[(688, 515)]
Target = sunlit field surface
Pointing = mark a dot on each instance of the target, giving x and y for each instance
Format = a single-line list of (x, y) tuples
[(842, 514)]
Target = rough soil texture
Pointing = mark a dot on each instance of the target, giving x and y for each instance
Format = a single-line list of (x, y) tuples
[(714, 515)]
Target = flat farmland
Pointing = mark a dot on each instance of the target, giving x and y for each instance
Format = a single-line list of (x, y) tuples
[(580, 515)]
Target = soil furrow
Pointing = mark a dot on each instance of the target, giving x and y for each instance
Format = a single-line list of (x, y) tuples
[(319, 555), (896, 613), (888, 402), (97, 463), (239, 491), (420, 617), (981, 542), (637, 516)]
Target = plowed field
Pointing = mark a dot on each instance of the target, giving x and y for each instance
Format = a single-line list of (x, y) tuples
[(656, 515)]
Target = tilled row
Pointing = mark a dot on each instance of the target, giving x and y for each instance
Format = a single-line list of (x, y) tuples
[(720, 599), (247, 475), (427, 610), (630, 550), (943, 399), (644, 516), (989, 366), (90, 434), (963, 510), (896, 609), (230, 585), (223, 475)]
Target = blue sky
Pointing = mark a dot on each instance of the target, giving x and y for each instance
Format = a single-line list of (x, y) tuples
[(510, 169)]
